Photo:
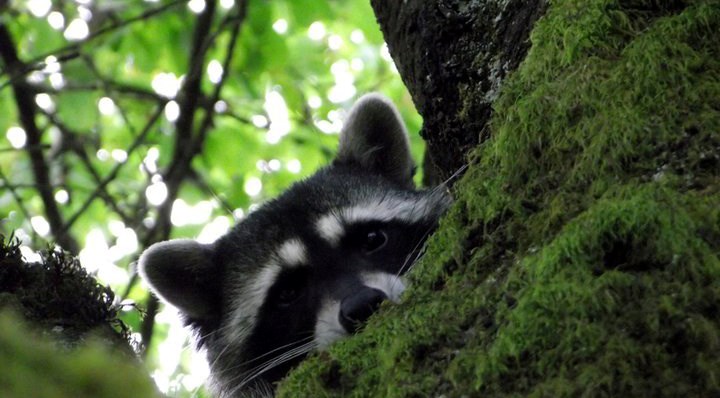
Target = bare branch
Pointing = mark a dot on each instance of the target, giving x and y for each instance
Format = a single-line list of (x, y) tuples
[(27, 111), (187, 146), (184, 152), (201, 183), (188, 96), (107, 84), (73, 144), (229, 53), (26, 147)]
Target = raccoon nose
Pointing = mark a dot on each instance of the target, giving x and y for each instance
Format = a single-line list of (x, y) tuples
[(357, 307)]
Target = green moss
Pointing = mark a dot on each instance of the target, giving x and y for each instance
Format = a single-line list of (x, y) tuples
[(622, 296), (33, 367), (582, 256)]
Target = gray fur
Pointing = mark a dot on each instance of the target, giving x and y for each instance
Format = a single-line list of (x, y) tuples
[(374, 136), (181, 271)]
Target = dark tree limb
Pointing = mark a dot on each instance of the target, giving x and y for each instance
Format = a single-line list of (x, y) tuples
[(107, 84), (27, 110), (189, 139), (229, 53), (188, 98), (433, 42)]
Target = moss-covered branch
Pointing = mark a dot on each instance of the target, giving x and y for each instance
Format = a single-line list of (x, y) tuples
[(60, 333), (34, 367)]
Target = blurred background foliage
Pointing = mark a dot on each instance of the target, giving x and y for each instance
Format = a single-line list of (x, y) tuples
[(111, 87)]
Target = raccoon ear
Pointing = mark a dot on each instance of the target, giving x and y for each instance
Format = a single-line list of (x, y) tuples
[(375, 137), (182, 272)]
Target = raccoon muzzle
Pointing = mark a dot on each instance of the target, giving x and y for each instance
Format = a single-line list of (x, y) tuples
[(356, 308)]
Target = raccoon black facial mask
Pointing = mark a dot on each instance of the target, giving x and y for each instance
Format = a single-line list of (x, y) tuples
[(308, 267)]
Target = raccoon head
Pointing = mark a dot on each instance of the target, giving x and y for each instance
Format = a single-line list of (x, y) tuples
[(308, 267)]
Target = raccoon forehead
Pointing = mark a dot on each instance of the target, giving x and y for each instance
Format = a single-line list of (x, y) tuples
[(414, 209)]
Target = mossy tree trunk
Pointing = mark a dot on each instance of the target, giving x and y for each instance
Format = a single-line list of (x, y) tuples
[(582, 255)]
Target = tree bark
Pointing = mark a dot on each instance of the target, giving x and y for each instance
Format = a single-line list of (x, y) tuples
[(453, 56)]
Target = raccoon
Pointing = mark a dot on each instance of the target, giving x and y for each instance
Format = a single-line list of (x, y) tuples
[(308, 267)]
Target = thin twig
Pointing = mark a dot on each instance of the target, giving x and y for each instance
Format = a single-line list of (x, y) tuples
[(114, 172), (17, 186), (108, 84), (230, 52), (16, 196), (72, 51), (70, 142), (205, 187), (26, 147), (107, 90)]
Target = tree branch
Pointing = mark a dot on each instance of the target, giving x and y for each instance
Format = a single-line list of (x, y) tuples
[(230, 52), (183, 152), (71, 143), (188, 146), (107, 84), (27, 111)]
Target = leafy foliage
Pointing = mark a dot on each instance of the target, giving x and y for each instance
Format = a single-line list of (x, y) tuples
[(130, 122)]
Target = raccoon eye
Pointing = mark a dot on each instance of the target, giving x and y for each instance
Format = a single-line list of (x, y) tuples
[(374, 240), (289, 287), (287, 296)]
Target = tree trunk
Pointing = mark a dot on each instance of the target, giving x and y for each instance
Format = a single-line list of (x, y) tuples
[(453, 57), (582, 255)]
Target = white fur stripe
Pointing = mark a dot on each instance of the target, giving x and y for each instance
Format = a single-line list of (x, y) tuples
[(253, 292), (249, 298), (330, 226), (292, 253), (386, 282), (327, 325)]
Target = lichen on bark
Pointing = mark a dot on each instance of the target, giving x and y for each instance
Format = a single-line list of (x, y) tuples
[(582, 255)]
